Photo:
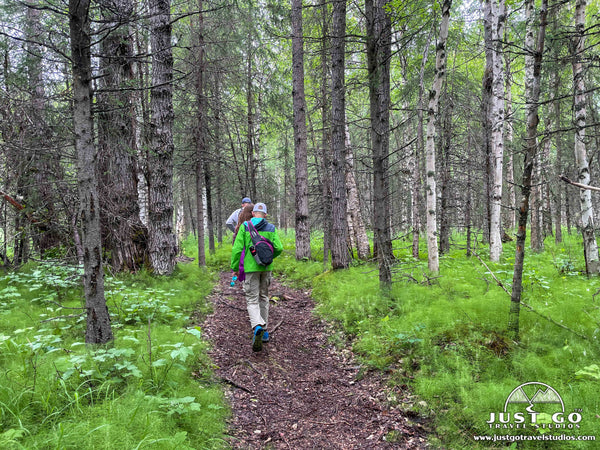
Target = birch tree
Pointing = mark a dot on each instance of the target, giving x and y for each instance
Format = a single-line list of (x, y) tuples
[(98, 330), (356, 225), (590, 246), (511, 215), (430, 151), (496, 17)]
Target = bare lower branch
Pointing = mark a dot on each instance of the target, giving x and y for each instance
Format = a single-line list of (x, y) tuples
[(579, 185)]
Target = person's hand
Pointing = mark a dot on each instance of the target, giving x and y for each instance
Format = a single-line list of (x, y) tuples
[(237, 274)]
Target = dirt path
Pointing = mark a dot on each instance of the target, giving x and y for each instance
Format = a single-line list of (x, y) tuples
[(299, 392)]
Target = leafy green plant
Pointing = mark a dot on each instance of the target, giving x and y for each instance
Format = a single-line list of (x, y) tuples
[(57, 392)]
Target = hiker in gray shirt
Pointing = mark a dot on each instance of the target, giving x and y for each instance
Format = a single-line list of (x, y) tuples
[(233, 218)]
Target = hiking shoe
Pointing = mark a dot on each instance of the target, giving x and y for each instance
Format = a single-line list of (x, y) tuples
[(265, 337), (257, 338)]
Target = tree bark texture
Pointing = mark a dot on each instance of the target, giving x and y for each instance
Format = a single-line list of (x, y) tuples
[(379, 46), (160, 218), (432, 111), (533, 59), (123, 234), (300, 139), (98, 330), (497, 18), (339, 249), (579, 105), (326, 132)]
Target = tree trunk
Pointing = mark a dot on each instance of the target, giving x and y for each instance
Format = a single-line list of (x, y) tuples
[(445, 178), (160, 219), (497, 120), (200, 136), (123, 233), (432, 111), (358, 232), (511, 211), (379, 46), (98, 329), (251, 163), (209, 209), (300, 139), (533, 60), (339, 229), (558, 165), (43, 165), (468, 201), (592, 263), (535, 207), (415, 163), (325, 134)]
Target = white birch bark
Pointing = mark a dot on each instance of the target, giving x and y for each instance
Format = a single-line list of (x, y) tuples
[(434, 97), (356, 225), (585, 196), (497, 112), (511, 216)]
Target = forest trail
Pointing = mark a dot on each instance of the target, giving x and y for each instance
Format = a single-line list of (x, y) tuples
[(299, 392)]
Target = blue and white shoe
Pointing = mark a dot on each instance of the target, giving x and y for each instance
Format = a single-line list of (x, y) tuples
[(257, 338), (265, 337)]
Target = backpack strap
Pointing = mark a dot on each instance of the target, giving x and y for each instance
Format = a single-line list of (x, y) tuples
[(252, 230)]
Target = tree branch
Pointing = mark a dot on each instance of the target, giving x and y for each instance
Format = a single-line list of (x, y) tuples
[(579, 185)]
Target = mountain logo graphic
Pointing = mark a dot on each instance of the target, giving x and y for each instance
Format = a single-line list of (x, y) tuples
[(543, 394)]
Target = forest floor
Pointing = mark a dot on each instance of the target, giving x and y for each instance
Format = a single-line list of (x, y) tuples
[(301, 391)]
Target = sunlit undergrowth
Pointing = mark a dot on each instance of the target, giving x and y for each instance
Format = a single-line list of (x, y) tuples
[(151, 388), (446, 337)]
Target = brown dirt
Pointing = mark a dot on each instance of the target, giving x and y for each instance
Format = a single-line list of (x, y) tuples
[(300, 392)]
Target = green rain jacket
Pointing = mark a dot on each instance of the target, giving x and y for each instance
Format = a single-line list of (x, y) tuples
[(244, 240)]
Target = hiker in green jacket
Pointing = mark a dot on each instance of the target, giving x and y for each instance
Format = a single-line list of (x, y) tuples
[(258, 277)]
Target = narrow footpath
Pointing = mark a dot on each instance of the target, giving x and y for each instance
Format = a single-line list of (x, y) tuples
[(300, 392)]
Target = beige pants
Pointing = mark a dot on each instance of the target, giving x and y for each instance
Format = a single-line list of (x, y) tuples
[(256, 287)]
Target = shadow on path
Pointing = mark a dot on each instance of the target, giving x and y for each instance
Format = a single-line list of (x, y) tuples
[(300, 392)]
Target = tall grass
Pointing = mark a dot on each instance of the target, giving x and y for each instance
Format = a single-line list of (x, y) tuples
[(446, 337), (151, 388)]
